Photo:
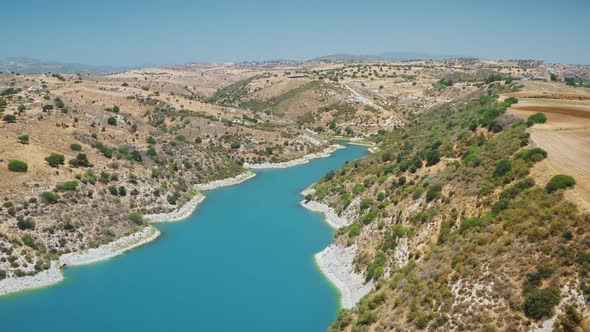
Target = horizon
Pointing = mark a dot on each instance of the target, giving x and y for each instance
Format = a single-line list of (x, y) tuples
[(134, 33)]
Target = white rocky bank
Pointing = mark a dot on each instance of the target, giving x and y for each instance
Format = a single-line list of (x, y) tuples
[(336, 262), (303, 160), (147, 234)]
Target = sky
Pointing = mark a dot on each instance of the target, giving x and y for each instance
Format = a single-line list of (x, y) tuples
[(133, 32)]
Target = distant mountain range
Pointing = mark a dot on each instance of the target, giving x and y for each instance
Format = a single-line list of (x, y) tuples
[(27, 66), (388, 56)]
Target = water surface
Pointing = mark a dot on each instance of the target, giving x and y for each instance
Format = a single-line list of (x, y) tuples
[(242, 262)]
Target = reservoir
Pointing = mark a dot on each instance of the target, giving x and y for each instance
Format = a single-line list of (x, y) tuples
[(242, 262)]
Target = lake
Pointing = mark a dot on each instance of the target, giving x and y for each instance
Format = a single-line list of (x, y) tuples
[(242, 262)]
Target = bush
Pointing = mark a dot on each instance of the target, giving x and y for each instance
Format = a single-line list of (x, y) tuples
[(23, 139), (433, 192), (559, 181), (354, 230), (536, 118), (539, 303), (49, 197), (55, 159), (10, 118), (136, 218), (25, 223), (112, 121), (502, 167), (29, 241), (75, 147), (67, 186), (365, 204), (18, 166), (81, 160)]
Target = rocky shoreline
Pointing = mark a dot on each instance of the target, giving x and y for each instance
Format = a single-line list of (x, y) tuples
[(299, 161), (336, 262), (226, 182), (331, 217), (54, 275)]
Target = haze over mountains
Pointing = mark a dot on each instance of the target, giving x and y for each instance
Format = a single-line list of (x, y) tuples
[(26, 65)]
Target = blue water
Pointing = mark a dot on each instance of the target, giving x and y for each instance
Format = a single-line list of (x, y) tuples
[(242, 262)]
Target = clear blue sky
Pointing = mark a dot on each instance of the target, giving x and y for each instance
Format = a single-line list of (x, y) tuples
[(121, 32)]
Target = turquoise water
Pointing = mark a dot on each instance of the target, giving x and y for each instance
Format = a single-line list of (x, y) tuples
[(242, 262)]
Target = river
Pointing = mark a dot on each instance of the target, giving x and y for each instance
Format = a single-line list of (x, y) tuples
[(242, 262)]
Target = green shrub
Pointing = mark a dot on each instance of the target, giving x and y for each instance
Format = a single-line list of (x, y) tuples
[(75, 147), (560, 181), (49, 197), (55, 159), (151, 140), (23, 139), (354, 230), (29, 241), (536, 118), (112, 121), (539, 303), (433, 192), (25, 223), (502, 167), (81, 160), (136, 218), (18, 166), (67, 186), (365, 204), (10, 118)]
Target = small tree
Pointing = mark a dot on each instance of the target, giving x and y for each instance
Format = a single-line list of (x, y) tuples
[(55, 159), (18, 166), (112, 121)]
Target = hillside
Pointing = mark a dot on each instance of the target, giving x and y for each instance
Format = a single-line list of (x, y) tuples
[(453, 230)]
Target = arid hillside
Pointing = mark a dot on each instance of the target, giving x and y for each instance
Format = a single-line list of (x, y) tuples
[(83, 157)]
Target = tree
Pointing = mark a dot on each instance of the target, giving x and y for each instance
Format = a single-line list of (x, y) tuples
[(10, 118), (112, 121), (55, 159), (560, 181), (23, 139), (18, 166), (21, 108), (47, 107)]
